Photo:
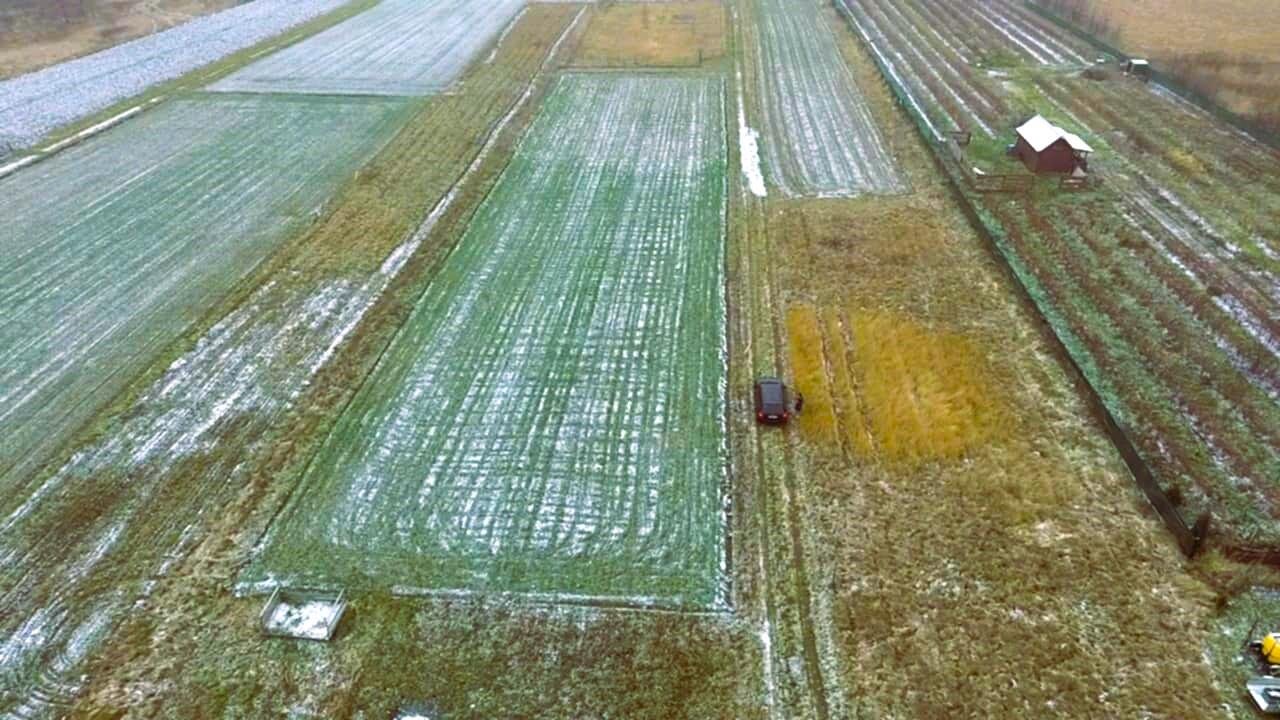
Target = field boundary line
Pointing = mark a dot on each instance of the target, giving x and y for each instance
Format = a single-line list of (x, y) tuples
[(204, 75), (41, 154), (605, 603), (1189, 539), (748, 445), (407, 248), (727, 484)]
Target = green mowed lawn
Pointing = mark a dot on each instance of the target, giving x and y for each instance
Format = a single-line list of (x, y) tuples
[(114, 248), (550, 420)]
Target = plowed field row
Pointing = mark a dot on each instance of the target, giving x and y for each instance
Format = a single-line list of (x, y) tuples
[(400, 47), (819, 137), (550, 419)]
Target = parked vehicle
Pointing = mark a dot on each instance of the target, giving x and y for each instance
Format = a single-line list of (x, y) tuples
[(771, 402)]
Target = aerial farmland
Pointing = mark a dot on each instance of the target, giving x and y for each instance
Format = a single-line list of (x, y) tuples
[(411, 359)]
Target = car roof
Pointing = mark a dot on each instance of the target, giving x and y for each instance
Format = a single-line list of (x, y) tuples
[(771, 390)]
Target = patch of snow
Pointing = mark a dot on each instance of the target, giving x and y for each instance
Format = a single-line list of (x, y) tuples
[(749, 151)]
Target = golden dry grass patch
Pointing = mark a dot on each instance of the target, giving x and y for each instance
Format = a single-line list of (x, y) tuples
[(1168, 27), (848, 403), (1225, 49), (653, 34), (927, 391), (808, 364)]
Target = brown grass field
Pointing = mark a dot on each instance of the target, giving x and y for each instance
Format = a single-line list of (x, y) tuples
[(1227, 49), (653, 34), (38, 33)]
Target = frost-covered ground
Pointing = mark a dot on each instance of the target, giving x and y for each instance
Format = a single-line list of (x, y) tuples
[(115, 247), (243, 376), (818, 134), (32, 105), (400, 47), (550, 419)]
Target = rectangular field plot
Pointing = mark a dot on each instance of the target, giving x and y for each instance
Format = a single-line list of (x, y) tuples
[(550, 420), (819, 137), (112, 249), (400, 47)]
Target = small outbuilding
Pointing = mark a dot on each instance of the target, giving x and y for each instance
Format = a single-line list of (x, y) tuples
[(1046, 148), (1138, 68)]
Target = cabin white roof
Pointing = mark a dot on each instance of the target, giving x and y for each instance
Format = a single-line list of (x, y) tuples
[(1139, 61), (1040, 134)]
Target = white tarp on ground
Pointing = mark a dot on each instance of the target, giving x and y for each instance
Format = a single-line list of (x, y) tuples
[(32, 105)]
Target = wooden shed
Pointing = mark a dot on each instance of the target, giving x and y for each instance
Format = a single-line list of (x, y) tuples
[(1046, 148), (1138, 68)]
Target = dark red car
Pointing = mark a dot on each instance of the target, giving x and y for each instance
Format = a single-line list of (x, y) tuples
[(771, 402)]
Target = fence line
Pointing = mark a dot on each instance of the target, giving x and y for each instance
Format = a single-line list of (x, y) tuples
[(1190, 538)]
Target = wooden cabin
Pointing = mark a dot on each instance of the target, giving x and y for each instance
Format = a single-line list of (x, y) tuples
[(1046, 148)]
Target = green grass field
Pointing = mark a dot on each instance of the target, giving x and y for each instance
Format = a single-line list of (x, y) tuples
[(117, 246), (550, 419)]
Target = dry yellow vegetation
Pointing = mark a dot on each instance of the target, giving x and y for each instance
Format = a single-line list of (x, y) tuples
[(1174, 27), (1186, 163), (653, 34), (899, 390), (1226, 49), (926, 391), (818, 420), (848, 403)]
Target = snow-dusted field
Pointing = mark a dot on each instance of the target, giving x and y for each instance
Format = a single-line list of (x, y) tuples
[(118, 245), (32, 105), (550, 418), (818, 135), (400, 47)]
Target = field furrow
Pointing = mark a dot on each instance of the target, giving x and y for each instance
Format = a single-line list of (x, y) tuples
[(550, 419), (400, 47), (121, 244), (819, 136)]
